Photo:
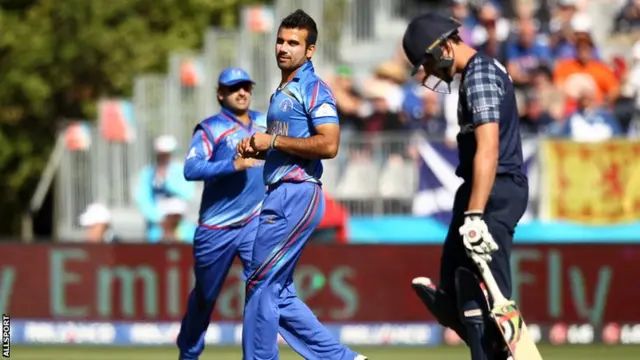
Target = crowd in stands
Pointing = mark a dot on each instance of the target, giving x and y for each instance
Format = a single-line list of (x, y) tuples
[(565, 85)]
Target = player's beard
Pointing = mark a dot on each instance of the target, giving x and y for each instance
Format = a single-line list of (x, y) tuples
[(237, 107), (292, 64)]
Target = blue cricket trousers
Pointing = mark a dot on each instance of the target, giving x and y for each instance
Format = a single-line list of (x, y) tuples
[(213, 253), (290, 213)]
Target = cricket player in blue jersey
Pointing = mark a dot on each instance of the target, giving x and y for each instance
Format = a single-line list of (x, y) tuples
[(233, 194), (302, 128), (231, 200)]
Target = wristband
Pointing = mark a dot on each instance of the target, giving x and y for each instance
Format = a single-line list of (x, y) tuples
[(473, 213), (272, 143)]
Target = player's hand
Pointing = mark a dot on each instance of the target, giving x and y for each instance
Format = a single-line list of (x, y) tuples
[(476, 237), (261, 142), (241, 163), (244, 148)]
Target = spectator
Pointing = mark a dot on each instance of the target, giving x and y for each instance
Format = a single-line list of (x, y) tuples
[(382, 117), (429, 119), (607, 89), (560, 24), (526, 53), (96, 221), (348, 100), (461, 12), (536, 119), (628, 20), (625, 107), (633, 78), (160, 181), (173, 227), (525, 10), (412, 100), (565, 44), (550, 96), (632, 90), (395, 75), (619, 68), (590, 122), (490, 35)]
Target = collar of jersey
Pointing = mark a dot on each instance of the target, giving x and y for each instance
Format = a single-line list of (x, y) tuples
[(472, 59), (226, 114), (303, 71)]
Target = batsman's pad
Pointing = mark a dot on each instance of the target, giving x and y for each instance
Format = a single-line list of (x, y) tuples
[(472, 312), (474, 308), (472, 298)]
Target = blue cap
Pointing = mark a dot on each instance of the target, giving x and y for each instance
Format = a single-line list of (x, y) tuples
[(233, 76)]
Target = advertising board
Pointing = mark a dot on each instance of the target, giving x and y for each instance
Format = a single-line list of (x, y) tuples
[(574, 284)]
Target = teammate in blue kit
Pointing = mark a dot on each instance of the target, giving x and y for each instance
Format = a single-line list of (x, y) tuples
[(231, 200), (303, 128), (494, 194)]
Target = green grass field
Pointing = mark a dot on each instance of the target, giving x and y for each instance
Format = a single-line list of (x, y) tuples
[(375, 353)]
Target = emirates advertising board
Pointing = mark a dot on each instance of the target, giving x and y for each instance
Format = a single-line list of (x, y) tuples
[(569, 293)]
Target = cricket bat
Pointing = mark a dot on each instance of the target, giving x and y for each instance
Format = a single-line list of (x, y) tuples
[(506, 315)]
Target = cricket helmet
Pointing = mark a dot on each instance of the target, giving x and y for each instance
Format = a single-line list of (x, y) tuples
[(422, 44)]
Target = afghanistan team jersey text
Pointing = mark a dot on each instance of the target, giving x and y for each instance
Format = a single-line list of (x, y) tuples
[(295, 111)]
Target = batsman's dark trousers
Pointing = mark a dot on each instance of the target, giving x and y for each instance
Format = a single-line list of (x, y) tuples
[(290, 213), (506, 205)]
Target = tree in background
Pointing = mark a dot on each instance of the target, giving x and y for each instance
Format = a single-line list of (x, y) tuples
[(58, 57)]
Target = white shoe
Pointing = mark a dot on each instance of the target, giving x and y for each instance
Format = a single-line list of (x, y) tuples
[(424, 281), (361, 357)]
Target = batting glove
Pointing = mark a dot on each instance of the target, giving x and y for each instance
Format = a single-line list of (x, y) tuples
[(476, 236)]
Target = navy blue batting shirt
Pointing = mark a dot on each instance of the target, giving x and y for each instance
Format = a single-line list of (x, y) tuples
[(486, 95)]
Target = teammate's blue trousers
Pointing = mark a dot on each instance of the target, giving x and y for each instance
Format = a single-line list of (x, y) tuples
[(290, 213), (213, 252)]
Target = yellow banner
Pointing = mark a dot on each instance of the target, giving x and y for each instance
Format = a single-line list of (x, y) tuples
[(591, 183)]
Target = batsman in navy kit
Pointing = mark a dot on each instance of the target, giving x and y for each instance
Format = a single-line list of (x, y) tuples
[(494, 193)]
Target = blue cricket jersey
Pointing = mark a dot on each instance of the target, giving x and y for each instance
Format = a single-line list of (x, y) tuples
[(230, 197), (295, 110)]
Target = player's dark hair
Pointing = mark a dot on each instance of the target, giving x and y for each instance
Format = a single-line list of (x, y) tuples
[(455, 37), (301, 20), (218, 93)]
